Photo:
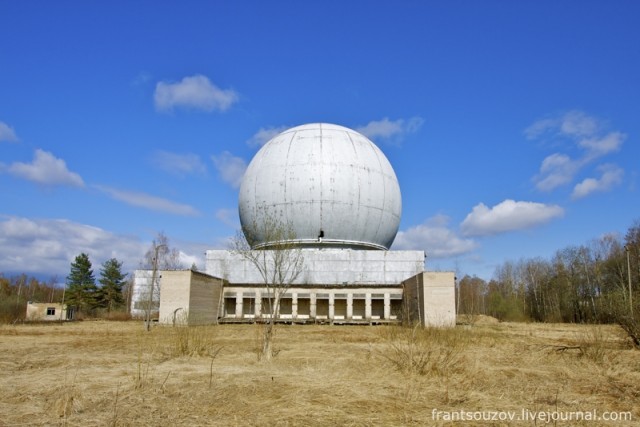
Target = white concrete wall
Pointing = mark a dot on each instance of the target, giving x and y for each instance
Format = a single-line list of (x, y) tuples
[(140, 292), (38, 311), (192, 297), (174, 296), (430, 298), (326, 267)]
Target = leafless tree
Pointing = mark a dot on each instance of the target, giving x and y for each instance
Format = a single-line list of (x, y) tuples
[(168, 257), (279, 264)]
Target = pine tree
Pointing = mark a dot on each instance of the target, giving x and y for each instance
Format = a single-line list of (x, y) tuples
[(81, 285), (112, 280)]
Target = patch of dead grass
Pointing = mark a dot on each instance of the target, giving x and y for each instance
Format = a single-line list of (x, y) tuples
[(114, 373)]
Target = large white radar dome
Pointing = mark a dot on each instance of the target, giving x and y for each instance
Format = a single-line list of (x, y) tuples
[(331, 185)]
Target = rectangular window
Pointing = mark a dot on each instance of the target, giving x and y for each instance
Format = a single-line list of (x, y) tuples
[(51, 311)]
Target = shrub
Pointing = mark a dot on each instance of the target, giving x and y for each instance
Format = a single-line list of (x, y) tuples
[(425, 351)]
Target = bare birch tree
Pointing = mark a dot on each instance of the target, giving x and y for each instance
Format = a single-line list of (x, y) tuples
[(280, 264)]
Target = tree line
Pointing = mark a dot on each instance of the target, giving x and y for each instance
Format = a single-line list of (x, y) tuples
[(594, 282), (88, 296), (109, 293)]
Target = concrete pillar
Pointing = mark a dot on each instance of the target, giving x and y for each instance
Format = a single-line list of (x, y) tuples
[(239, 305), (294, 305), (387, 306), (312, 306), (367, 306), (349, 306), (332, 308), (257, 309)]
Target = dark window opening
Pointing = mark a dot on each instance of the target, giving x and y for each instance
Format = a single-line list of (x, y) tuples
[(230, 306), (51, 311), (358, 308), (304, 307), (377, 309), (322, 308)]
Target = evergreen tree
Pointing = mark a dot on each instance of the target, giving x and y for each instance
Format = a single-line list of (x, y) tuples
[(81, 284), (112, 280)]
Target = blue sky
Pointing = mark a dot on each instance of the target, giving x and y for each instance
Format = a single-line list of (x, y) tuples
[(513, 127)]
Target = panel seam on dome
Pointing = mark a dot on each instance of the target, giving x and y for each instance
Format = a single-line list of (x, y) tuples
[(286, 174), (384, 192)]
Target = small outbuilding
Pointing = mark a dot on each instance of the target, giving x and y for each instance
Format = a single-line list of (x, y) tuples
[(189, 298), (48, 311)]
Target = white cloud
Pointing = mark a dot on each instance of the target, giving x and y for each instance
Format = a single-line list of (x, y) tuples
[(178, 164), (150, 202), (508, 215), (264, 135), (539, 127), (597, 147), (556, 170), (578, 124), (584, 133), (188, 260), (48, 246), (391, 131), (229, 217), (45, 169), (230, 167), (570, 124), (610, 177), (435, 238), (195, 92), (7, 133)]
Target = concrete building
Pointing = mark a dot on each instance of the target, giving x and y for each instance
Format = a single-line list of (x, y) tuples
[(189, 297), (140, 294), (329, 192), (47, 311)]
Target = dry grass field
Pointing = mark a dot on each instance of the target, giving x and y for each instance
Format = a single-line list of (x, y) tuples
[(114, 373)]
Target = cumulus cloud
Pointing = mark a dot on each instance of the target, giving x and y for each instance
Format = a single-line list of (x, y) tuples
[(48, 246), (386, 130), (45, 169), (583, 132), (230, 167), (556, 170), (435, 238), (611, 175), (150, 202), (196, 92), (508, 215), (264, 135), (178, 164), (7, 133)]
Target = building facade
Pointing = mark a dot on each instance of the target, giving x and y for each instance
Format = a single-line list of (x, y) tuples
[(330, 193)]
